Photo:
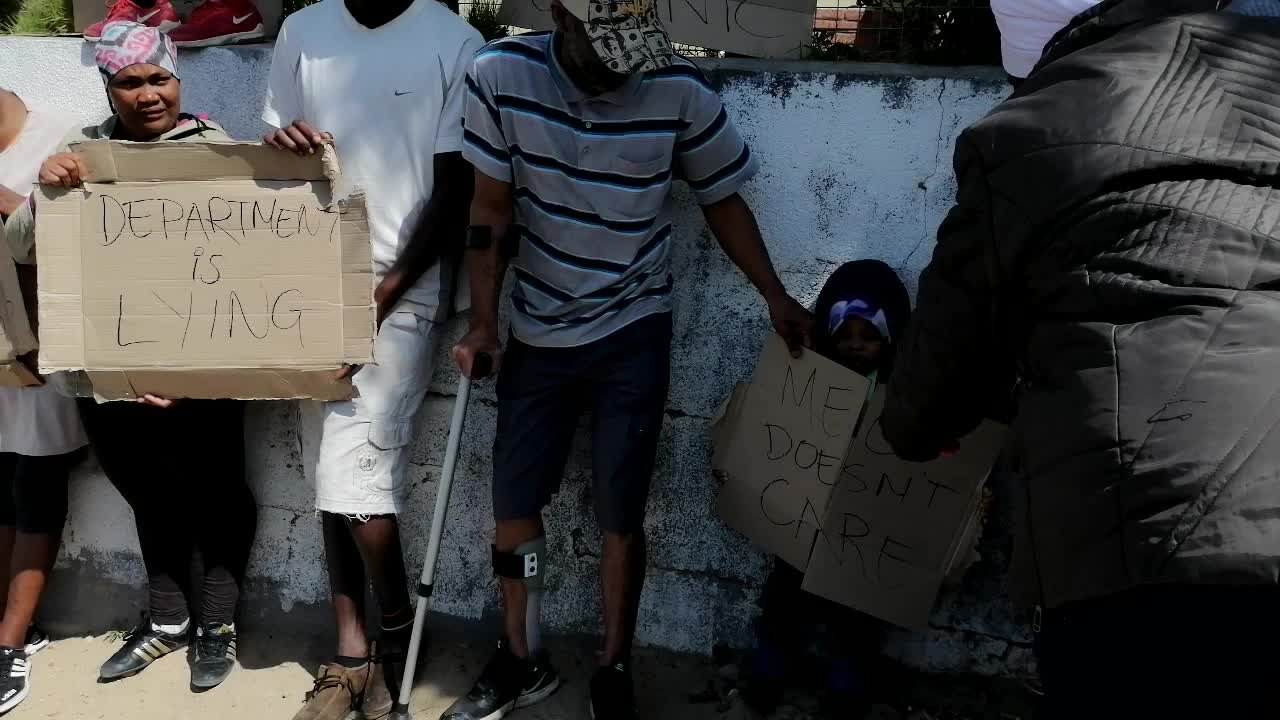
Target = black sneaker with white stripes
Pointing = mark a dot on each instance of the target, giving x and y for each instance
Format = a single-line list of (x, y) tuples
[(15, 678), (215, 655), (507, 683), (37, 639), (142, 646)]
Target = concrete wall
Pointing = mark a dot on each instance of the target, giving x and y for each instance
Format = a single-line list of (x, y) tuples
[(856, 163)]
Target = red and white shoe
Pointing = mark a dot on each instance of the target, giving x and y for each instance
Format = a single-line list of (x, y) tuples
[(160, 15), (218, 22)]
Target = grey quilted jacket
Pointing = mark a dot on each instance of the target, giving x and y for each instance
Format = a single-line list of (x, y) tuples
[(1116, 246)]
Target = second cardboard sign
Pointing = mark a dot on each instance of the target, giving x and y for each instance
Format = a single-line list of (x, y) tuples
[(811, 479)]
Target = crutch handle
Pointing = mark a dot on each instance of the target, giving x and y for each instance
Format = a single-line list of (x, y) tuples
[(481, 366)]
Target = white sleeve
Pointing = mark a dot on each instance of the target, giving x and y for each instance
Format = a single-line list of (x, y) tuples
[(284, 101), (449, 131)]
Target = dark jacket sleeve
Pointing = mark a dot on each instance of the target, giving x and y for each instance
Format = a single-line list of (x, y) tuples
[(950, 368)]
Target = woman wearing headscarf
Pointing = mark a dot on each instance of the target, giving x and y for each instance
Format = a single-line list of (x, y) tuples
[(180, 465)]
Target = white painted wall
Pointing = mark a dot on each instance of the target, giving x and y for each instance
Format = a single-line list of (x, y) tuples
[(856, 163)]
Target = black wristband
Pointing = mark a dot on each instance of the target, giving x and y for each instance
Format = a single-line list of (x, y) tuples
[(479, 237)]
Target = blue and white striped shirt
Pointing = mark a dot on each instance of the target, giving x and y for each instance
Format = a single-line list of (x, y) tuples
[(590, 177)]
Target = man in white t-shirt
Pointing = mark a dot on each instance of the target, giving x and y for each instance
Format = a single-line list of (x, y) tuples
[(386, 81), (1027, 26), (41, 439)]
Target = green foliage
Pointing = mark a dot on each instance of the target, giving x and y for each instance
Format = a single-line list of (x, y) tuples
[(8, 8), (966, 36), (292, 6), (825, 48), (40, 17), (483, 16), (931, 32)]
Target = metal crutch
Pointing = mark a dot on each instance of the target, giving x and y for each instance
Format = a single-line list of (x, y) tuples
[(480, 368)]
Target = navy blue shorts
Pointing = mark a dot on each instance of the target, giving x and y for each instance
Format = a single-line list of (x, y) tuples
[(622, 380)]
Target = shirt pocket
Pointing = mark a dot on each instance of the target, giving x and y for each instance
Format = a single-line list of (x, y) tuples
[(639, 164), (638, 187)]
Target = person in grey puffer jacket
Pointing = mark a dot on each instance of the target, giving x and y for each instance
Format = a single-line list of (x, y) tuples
[(1115, 251)]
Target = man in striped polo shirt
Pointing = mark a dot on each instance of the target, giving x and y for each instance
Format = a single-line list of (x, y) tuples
[(576, 136)]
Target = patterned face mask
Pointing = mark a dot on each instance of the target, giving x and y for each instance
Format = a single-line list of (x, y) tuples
[(626, 34), (124, 44)]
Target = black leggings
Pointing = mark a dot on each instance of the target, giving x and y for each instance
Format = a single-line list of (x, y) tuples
[(33, 491), (182, 471)]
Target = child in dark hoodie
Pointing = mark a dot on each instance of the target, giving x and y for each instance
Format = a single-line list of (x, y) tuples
[(862, 312)]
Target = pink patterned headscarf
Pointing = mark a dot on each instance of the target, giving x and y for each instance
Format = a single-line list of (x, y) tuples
[(128, 43)]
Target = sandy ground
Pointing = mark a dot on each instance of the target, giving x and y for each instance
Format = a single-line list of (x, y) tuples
[(276, 672)]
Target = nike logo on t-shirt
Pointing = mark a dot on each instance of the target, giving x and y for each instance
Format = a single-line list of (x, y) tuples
[(239, 20), (408, 92), (148, 16)]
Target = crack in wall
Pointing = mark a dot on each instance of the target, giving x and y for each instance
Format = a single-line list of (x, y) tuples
[(969, 632), (937, 167), (709, 573), (675, 414)]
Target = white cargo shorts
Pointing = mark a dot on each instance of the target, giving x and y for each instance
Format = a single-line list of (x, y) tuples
[(357, 451)]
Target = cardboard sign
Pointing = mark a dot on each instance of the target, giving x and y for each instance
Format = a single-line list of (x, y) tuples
[(205, 270), (16, 338), (811, 480), (893, 528), (782, 443), (758, 28)]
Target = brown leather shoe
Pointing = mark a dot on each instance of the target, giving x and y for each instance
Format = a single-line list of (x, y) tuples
[(375, 704), (333, 697)]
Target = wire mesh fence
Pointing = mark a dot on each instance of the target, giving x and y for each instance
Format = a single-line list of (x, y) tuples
[(935, 32), (951, 32)]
